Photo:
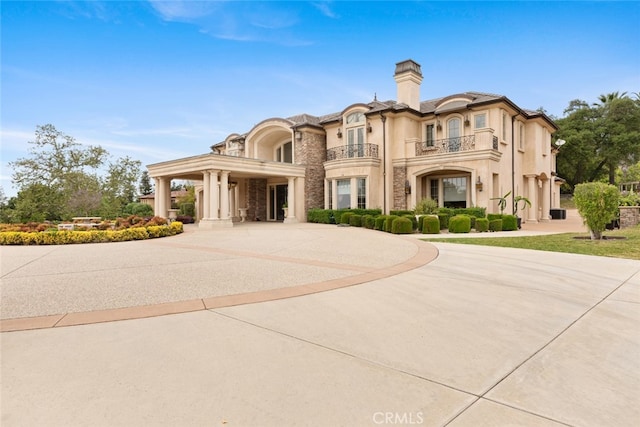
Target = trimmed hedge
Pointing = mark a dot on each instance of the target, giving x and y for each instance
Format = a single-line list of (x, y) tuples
[(379, 222), (430, 224), (401, 212), (495, 225), (388, 223), (334, 216), (460, 224), (402, 225), (355, 220), (509, 222), (344, 218), (65, 237), (482, 225), (413, 219), (493, 216), (444, 220), (368, 221), (320, 216)]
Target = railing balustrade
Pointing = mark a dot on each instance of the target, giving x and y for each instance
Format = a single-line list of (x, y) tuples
[(447, 145), (353, 151)]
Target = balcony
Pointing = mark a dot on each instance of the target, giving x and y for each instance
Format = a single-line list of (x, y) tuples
[(353, 152), (455, 145), (448, 145)]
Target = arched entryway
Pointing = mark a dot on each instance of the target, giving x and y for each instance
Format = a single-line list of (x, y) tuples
[(450, 188)]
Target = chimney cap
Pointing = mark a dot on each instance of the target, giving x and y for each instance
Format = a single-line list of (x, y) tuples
[(407, 66)]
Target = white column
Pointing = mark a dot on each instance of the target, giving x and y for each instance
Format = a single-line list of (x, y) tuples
[(156, 197), (546, 195), (533, 191), (214, 190), (206, 194), (334, 193), (327, 183), (224, 195), (161, 194), (354, 193), (236, 200), (291, 200)]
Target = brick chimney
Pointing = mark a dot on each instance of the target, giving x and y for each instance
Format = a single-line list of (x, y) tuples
[(408, 77)]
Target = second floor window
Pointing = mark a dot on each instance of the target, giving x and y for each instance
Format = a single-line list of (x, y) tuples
[(355, 134), (284, 153), (453, 127), (431, 136)]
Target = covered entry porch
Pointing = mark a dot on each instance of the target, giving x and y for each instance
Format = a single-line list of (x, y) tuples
[(230, 188)]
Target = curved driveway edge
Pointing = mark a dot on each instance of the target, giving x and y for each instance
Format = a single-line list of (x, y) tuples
[(193, 241)]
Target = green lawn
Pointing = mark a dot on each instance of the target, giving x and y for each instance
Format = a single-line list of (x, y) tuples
[(623, 248)]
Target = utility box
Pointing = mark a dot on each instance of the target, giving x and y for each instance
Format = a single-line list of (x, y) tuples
[(558, 213)]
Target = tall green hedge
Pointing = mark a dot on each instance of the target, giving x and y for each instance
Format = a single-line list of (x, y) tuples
[(389, 222)]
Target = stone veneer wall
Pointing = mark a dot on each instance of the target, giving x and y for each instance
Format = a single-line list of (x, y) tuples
[(257, 199), (629, 216), (311, 151), (399, 178)]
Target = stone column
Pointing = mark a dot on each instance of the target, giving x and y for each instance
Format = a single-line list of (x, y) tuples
[(206, 194), (215, 194), (291, 200), (327, 183), (161, 194), (224, 195), (156, 197), (546, 196), (533, 209)]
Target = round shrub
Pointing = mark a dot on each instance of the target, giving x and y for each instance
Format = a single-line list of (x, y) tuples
[(388, 223), (430, 224), (444, 220), (509, 222), (413, 219), (460, 224), (482, 224), (368, 221), (495, 225), (379, 222), (355, 220), (344, 219), (402, 225)]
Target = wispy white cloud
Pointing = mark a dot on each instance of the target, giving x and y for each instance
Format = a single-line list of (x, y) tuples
[(325, 8), (183, 10), (263, 22)]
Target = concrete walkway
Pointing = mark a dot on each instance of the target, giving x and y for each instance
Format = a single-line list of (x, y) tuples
[(433, 334)]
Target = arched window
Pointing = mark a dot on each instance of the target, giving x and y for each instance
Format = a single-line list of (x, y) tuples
[(453, 133), (355, 134)]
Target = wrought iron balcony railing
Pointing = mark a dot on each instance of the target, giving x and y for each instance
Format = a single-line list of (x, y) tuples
[(353, 152), (448, 145)]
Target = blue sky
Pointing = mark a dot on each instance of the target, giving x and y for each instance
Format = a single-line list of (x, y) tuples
[(162, 80)]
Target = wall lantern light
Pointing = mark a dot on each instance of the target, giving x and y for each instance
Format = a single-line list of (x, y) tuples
[(339, 133), (369, 128), (466, 120), (298, 135), (479, 184), (438, 125), (407, 187)]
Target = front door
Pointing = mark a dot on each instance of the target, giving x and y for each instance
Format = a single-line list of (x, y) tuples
[(277, 198)]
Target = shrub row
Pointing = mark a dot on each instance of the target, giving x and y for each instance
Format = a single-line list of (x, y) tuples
[(459, 220), (65, 237)]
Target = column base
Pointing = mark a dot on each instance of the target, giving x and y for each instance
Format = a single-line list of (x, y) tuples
[(210, 223), (290, 220)]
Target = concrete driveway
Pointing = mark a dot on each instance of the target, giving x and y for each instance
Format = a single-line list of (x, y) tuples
[(284, 324)]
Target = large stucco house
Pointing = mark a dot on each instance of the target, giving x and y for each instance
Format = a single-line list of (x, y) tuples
[(461, 150)]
